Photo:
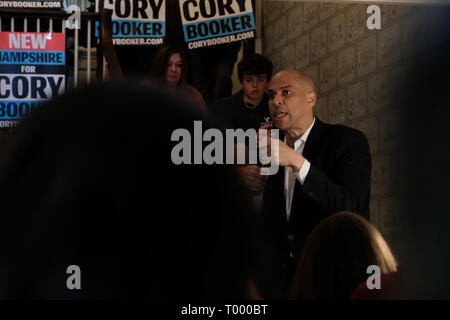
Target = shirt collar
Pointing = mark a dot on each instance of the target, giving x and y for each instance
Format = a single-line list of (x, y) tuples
[(304, 137)]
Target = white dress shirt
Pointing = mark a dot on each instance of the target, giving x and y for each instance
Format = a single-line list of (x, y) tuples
[(290, 176)]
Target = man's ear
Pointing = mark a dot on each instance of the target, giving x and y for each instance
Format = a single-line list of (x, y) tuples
[(311, 98)]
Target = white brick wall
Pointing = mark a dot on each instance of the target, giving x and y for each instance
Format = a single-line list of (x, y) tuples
[(357, 72)]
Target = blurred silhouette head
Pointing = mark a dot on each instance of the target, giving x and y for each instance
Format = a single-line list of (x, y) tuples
[(336, 257), (87, 180)]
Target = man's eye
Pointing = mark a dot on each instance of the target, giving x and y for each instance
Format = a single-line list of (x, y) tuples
[(271, 95), (285, 92), (179, 65)]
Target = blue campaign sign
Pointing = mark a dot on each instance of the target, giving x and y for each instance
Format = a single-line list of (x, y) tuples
[(207, 23), (136, 22), (220, 27), (15, 110), (34, 57), (32, 70), (138, 29)]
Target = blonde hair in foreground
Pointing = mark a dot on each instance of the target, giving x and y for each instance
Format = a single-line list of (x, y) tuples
[(336, 257)]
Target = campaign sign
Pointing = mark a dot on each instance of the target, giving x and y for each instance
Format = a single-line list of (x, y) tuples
[(136, 22), (31, 71), (212, 22), (34, 4)]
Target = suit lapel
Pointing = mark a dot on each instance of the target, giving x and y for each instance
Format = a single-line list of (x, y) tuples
[(309, 152), (278, 189), (313, 142)]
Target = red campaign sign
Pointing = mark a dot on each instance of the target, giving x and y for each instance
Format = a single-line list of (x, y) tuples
[(33, 41)]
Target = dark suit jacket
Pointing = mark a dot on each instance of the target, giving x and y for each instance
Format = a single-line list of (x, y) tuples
[(339, 179)]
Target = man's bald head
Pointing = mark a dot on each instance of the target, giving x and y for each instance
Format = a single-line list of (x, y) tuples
[(292, 96), (304, 81)]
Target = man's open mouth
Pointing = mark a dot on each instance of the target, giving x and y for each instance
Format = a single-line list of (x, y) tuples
[(279, 115)]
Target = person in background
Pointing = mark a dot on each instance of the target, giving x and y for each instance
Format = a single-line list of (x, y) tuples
[(337, 255), (249, 107), (170, 66)]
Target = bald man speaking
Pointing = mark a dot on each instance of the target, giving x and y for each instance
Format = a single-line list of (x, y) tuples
[(323, 169)]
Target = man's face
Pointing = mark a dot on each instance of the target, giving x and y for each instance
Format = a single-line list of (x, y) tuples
[(254, 86), (288, 104)]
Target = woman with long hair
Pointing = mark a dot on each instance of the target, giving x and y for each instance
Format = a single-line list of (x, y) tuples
[(170, 66), (336, 256)]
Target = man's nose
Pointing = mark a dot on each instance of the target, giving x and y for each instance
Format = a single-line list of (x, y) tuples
[(277, 99)]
